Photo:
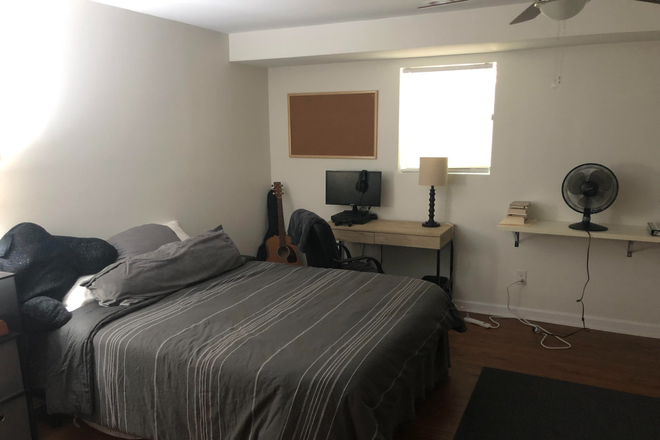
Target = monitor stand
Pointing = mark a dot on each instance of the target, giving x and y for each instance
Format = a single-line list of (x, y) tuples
[(353, 217)]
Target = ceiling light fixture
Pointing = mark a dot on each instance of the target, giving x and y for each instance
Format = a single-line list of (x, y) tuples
[(561, 9)]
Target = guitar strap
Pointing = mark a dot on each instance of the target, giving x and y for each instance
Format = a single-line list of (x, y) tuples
[(273, 230)]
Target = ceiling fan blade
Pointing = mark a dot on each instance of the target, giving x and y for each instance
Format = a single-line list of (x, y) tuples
[(657, 2), (433, 4), (575, 183), (528, 14)]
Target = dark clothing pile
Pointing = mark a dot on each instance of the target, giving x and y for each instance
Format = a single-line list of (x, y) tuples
[(301, 224), (46, 266)]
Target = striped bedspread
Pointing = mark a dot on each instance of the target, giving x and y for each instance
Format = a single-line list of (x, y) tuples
[(269, 351)]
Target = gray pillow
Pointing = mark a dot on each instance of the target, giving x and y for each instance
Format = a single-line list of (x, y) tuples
[(167, 269), (142, 239)]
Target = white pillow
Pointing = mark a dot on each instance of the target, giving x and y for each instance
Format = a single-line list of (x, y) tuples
[(78, 295), (174, 226)]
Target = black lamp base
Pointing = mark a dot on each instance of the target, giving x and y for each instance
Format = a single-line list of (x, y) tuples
[(431, 223)]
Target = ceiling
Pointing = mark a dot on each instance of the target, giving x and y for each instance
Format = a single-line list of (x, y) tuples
[(233, 16)]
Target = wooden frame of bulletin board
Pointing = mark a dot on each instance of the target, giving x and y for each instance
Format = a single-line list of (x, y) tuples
[(333, 125)]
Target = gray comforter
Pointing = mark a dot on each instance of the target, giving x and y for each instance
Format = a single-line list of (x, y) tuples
[(265, 351)]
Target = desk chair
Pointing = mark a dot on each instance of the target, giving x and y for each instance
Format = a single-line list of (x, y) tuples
[(323, 251)]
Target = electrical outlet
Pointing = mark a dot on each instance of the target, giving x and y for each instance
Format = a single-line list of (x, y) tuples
[(521, 276)]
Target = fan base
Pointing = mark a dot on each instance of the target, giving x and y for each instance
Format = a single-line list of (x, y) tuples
[(588, 226)]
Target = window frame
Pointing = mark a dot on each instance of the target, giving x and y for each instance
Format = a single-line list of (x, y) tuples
[(443, 68)]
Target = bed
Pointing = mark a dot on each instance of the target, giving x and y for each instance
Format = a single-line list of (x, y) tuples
[(263, 351)]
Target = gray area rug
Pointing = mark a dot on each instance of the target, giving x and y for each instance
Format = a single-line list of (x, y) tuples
[(514, 406)]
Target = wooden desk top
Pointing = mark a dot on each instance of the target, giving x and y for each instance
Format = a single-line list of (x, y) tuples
[(396, 233), (397, 227)]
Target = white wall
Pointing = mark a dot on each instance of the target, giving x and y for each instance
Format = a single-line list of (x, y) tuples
[(152, 124), (606, 110)]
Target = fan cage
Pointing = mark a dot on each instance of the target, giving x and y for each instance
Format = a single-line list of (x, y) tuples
[(571, 200)]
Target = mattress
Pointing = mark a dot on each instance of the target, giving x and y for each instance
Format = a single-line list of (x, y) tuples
[(265, 351)]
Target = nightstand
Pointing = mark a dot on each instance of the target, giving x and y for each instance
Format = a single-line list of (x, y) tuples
[(16, 421)]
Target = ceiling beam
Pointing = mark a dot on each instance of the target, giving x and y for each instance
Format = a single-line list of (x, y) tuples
[(449, 33)]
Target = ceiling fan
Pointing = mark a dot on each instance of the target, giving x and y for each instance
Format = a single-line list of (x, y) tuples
[(434, 3), (557, 9)]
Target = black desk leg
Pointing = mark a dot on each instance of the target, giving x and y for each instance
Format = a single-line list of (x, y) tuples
[(449, 284)]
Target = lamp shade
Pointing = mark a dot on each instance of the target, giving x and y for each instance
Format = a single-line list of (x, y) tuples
[(433, 171)]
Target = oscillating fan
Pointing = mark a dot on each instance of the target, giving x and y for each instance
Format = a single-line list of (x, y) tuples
[(589, 189)]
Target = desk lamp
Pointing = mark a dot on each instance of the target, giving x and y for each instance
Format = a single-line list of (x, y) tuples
[(432, 172)]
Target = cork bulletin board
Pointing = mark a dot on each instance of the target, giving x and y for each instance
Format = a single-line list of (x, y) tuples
[(333, 125)]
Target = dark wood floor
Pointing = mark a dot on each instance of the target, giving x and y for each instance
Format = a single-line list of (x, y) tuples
[(608, 360)]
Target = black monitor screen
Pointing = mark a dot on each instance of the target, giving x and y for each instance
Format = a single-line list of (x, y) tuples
[(340, 188)]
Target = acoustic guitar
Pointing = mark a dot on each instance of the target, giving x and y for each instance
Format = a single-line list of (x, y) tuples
[(279, 248)]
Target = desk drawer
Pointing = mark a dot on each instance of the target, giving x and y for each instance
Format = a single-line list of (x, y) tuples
[(415, 241), (11, 379), (14, 420), (354, 236)]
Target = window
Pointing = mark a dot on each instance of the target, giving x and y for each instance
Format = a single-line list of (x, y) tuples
[(447, 111)]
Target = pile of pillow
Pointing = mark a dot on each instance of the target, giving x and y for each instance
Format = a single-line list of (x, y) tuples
[(165, 270), (132, 242), (141, 262)]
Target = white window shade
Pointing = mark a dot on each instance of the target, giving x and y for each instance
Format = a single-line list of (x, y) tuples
[(447, 111)]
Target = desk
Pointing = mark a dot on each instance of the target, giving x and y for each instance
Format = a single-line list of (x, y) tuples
[(402, 233)]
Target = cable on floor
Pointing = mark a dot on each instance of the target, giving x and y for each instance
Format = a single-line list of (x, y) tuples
[(537, 328)]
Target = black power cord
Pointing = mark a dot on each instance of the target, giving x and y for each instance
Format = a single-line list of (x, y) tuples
[(581, 301)]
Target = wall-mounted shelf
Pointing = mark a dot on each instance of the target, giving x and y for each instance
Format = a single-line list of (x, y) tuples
[(628, 233)]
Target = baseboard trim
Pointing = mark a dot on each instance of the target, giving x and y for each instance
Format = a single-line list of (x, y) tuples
[(569, 319)]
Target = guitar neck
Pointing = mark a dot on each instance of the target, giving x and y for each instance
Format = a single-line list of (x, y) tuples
[(280, 222)]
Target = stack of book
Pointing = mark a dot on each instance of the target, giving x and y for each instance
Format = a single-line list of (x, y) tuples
[(517, 215)]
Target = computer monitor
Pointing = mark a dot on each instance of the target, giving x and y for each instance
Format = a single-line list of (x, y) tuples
[(343, 188)]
